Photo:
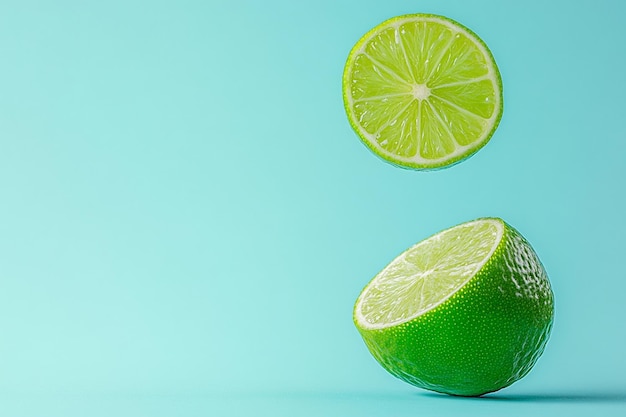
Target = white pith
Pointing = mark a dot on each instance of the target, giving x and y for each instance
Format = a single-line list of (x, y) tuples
[(421, 92), (381, 276)]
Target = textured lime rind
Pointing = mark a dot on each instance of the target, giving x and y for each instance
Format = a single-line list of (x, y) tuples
[(468, 145), (485, 337)]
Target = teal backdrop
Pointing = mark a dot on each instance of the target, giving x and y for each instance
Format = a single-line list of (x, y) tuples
[(186, 216)]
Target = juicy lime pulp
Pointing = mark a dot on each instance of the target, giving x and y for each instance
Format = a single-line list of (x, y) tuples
[(466, 312), (427, 274), (422, 91)]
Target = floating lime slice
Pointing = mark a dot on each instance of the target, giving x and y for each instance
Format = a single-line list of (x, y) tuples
[(422, 91)]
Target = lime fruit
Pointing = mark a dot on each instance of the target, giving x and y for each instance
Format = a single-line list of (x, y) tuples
[(422, 91), (465, 312)]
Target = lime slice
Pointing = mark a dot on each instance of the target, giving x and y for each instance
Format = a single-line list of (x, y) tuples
[(422, 91), (466, 312)]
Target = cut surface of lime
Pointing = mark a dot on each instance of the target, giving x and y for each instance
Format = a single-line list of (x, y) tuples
[(422, 91), (466, 312), (427, 274)]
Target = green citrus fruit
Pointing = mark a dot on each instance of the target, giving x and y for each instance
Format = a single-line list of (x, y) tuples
[(465, 312), (422, 91)]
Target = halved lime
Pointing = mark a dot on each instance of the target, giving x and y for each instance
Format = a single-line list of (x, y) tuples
[(466, 312), (422, 91)]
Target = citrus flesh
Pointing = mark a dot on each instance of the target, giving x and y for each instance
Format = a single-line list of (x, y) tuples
[(465, 312), (422, 91)]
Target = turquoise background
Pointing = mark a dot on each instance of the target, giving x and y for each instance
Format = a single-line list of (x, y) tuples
[(186, 216)]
